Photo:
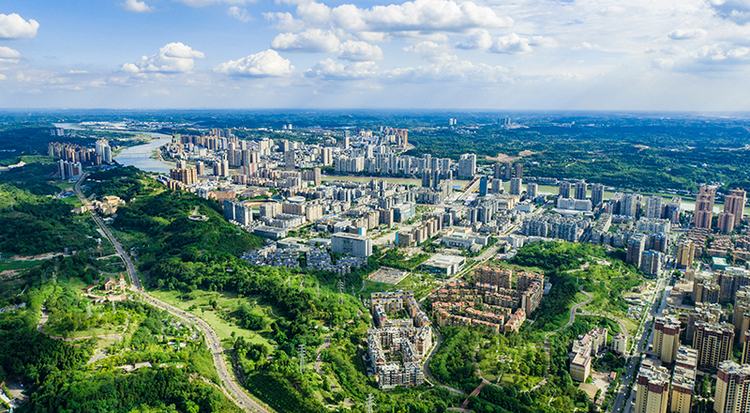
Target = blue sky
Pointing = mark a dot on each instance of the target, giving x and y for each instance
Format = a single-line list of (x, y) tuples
[(484, 54)]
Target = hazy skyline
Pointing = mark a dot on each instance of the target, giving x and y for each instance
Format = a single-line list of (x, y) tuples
[(558, 55)]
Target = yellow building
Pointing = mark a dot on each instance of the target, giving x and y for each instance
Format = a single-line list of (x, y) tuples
[(714, 343), (683, 383), (667, 338), (580, 366), (685, 254), (652, 388), (732, 388)]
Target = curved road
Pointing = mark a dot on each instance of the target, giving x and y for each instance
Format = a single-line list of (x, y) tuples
[(571, 320), (233, 389)]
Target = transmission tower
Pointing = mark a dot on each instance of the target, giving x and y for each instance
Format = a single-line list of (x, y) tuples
[(370, 403), (341, 291), (317, 291), (301, 353), (301, 285)]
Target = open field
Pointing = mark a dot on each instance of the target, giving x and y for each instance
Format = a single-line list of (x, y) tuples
[(199, 303)]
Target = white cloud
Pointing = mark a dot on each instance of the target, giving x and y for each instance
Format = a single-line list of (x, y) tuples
[(172, 58), (13, 26), (204, 3), (2, 76), (312, 40), (8, 54), (463, 71), (708, 60), (136, 6), (689, 34), (587, 46), (510, 44), (431, 51), (239, 14), (418, 15), (359, 51), (285, 21), (330, 70), (478, 40), (737, 11), (721, 55), (264, 64)]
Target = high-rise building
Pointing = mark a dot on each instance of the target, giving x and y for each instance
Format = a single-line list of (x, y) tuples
[(200, 169), (746, 348), (634, 249), (672, 210), (685, 254), (704, 207), (714, 343), (519, 170), (652, 388), (531, 190), (580, 192), (726, 222), (497, 185), (597, 194), (732, 388), (289, 160), (667, 338), (61, 168), (564, 191), (651, 262), (515, 186), (467, 166), (482, 186), (497, 170), (683, 384), (741, 311), (654, 206), (630, 205), (346, 139), (326, 155), (427, 179), (508, 171), (734, 204), (103, 150), (352, 244), (187, 176), (221, 168)]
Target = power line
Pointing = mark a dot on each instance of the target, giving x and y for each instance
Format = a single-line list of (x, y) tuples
[(301, 353)]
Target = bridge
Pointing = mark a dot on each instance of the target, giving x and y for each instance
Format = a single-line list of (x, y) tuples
[(135, 155)]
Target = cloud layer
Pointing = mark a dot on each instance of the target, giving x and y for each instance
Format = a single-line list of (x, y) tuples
[(264, 64), (172, 58), (13, 26)]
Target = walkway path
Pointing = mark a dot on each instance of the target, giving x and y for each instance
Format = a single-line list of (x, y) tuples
[(234, 391), (571, 320), (428, 373), (319, 359)]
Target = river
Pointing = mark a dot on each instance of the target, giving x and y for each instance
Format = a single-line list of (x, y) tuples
[(139, 155)]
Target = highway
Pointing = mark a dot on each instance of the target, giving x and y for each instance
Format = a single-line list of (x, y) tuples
[(231, 388)]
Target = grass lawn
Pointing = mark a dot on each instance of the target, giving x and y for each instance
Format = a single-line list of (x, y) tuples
[(226, 303), (526, 382), (420, 283)]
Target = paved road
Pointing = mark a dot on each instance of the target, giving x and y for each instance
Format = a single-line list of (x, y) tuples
[(45, 317), (428, 373), (643, 337), (235, 392)]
